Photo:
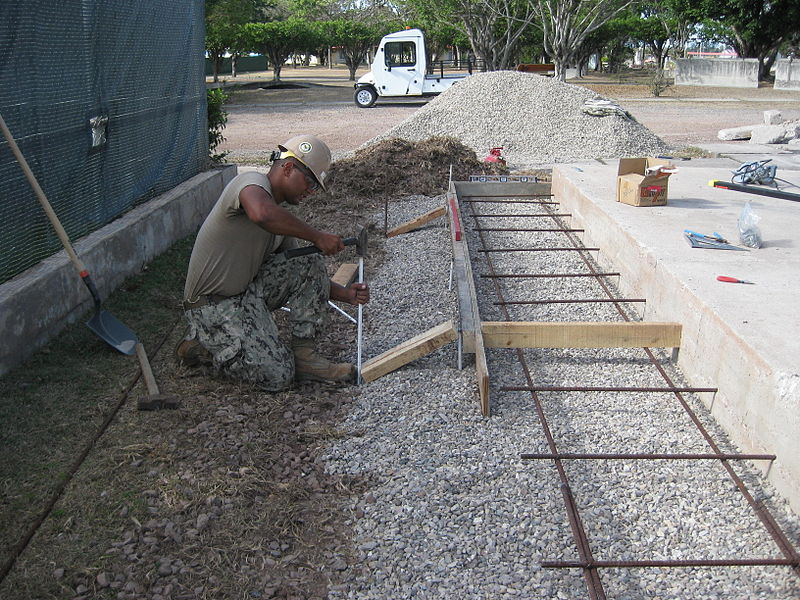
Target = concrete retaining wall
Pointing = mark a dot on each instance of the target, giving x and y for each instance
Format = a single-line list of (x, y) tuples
[(787, 74), (38, 303), (738, 72)]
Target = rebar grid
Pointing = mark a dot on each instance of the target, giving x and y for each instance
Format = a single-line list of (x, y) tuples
[(587, 564)]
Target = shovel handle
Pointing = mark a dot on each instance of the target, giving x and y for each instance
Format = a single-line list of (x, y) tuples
[(62, 235), (292, 252)]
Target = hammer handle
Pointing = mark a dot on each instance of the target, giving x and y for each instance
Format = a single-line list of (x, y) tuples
[(147, 372), (292, 252)]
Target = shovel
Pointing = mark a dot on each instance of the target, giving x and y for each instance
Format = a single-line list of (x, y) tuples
[(104, 324)]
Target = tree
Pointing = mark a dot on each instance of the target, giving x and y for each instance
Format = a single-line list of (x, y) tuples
[(277, 40), (494, 28), (754, 28), (567, 23), (354, 38), (611, 39), (224, 19)]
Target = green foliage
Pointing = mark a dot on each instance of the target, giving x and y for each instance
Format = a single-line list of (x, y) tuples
[(224, 19), (354, 38), (217, 119), (755, 28), (278, 40)]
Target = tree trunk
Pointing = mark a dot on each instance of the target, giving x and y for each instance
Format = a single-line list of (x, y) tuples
[(216, 59), (277, 61), (561, 70), (765, 66)]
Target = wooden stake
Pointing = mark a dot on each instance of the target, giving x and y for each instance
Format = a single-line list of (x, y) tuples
[(345, 274)]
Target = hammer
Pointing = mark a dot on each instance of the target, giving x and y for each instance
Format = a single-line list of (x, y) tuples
[(154, 400), (360, 242)]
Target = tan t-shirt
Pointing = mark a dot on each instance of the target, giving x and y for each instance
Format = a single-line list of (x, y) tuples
[(230, 248)]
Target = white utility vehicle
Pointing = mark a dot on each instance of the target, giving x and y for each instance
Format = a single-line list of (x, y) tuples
[(400, 69)]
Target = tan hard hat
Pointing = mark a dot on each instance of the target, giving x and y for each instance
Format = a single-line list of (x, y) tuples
[(312, 152)]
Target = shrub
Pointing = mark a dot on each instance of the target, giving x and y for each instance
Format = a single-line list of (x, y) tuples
[(217, 119)]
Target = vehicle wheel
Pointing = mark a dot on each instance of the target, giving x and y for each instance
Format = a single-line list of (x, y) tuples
[(365, 97)]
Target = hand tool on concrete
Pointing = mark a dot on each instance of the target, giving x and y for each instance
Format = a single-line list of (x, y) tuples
[(751, 189), (104, 324), (704, 242), (714, 237), (727, 279), (154, 399), (360, 242)]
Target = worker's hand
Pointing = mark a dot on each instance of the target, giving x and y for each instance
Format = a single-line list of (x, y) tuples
[(359, 293), (329, 243)]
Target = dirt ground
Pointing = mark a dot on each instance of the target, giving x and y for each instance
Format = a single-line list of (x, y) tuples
[(681, 116), (225, 497)]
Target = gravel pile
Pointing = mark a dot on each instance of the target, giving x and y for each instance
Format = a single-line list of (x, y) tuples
[(453, 512), (537, 120)]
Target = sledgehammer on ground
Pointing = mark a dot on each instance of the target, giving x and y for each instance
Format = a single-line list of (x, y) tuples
[(154, 399), (360, 242)]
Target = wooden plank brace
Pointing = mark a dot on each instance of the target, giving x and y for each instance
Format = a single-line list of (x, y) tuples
[(417, 222), (410, 350)]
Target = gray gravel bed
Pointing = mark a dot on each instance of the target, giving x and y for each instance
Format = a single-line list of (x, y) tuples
[(537, 120), (454, 512)]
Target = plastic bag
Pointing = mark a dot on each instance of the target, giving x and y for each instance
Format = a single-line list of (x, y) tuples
[(749, 233)]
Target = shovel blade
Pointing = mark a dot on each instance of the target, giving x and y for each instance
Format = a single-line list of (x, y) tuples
[(113, 331)]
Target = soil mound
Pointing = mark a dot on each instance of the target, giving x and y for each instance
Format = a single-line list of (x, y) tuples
[(398, 167)]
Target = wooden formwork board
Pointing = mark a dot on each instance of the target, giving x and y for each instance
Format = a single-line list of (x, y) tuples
[(531, 334), (469, 320), (469, 316), (470, 189)]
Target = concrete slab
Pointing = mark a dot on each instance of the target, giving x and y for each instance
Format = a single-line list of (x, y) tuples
[(111, 254), (743, 339), (782, 155)]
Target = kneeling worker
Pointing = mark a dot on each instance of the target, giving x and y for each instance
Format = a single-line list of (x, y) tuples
[(238, 275)]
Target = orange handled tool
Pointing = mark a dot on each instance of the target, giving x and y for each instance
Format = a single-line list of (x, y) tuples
[(727, 279)]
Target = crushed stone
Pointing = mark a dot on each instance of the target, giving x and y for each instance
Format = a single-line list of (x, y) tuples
[(536, 120), (452, 511)]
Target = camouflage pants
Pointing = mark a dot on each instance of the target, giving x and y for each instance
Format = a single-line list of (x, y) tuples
[(240, 332)]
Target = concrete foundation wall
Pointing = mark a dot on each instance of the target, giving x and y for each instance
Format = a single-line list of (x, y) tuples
[(787, 74), (739, 72), (755, 405), (38, 303)]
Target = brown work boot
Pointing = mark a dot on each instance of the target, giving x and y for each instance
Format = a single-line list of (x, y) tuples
[(193, 354), (310, 366)]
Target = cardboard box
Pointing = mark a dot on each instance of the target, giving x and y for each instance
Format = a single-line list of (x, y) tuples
[(638, 187)]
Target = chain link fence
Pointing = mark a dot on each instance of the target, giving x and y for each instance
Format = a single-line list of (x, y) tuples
[(107, 102)]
